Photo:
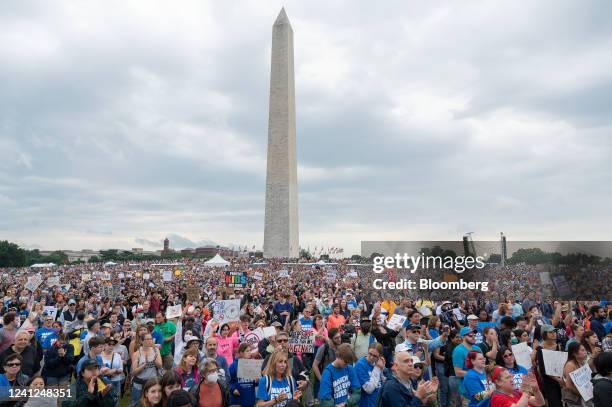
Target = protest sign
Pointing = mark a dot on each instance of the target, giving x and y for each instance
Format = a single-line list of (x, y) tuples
[(53, 281), (301, 341), (554, 362), (269, 331), (330, 276), (258, 276), (167, 276), (174, 311), (33, 282), (106, 291), (146, 276), (396, 322), (522, 354), (582, 380), (283, 273), (254, 337), (50, 310), (193, 294), (85, 277), (106, 277), (249, 369), (226, 311), (235, 279), (121, 275)]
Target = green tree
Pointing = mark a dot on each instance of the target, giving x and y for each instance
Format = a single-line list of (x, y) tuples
[(11, 255)]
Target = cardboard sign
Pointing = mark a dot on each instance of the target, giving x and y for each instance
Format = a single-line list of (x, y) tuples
[(85, 278), (522, 354), (582, 380), (50, 310), (235, 279), (554, 362), (258, 276), (33, 282), (301, 341), (167, 276), (249, 369), (226, 311), (396, 322), (174, 311), (193, 294), (53, 281)]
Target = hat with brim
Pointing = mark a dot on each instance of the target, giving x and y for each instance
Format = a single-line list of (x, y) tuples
[(189, 339), (89, 364)]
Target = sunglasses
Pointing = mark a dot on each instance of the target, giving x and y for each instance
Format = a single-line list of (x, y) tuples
[(470, 335), (507, 355), (282, 340), (418, 366), (13, 364)]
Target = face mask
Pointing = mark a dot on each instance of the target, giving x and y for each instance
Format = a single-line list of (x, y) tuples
[(57, 330), (514, 340), (212, 377)]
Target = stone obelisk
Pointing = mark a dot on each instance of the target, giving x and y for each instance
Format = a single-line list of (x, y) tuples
[(281, 227)]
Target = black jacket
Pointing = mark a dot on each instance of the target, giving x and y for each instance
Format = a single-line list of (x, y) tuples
[(602, 390), (394, 393), (56, 366), (86, 399), (195, 392), (31, 360)]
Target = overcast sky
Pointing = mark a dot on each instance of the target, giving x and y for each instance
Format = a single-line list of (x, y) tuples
[(122, 122)]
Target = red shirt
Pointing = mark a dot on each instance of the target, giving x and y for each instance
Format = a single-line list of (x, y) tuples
[(503, 400)]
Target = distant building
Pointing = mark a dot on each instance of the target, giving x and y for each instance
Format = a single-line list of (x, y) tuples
[(209, 251), (82, 255), (166, 245), (188, 251), (137, 250)]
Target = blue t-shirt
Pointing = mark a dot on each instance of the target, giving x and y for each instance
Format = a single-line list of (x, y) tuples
[(246, 387), (459, 355), (518, 373), (336, 383), (363, 370), (306, 323), (278, 308), (476, 383), (276, 387), (158, 337), (46, 337)]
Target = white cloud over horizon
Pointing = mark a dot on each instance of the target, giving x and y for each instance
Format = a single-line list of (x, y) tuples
[(126, 121)]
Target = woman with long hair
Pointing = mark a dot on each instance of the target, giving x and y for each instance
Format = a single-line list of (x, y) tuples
[(188, 369), (433, 326), (477, 385), (136, 343), (576, 358), (577, 335), (551, 385), (506, 395), (227, 344), (490, 344), (112, 367), (146, 364), (344, 311), (385, 336), (505, 358), (277, 384), (591, 344), (151, 393), (170, 382)]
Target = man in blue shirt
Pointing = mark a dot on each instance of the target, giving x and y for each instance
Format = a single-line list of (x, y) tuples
[(339, 383), (46, 335), (283, 309), (306, 320), (460, 354), (369, 370)]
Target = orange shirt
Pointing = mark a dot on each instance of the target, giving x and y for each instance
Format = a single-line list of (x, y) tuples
[(335, 321), (210, 395)]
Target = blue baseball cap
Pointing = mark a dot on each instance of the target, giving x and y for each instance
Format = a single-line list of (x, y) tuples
[(465, 330)]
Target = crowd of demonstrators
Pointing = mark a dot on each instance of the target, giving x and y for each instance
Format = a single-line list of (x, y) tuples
[(108, 332)]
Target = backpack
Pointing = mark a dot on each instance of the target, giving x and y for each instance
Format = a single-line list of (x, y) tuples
[(289, 378)]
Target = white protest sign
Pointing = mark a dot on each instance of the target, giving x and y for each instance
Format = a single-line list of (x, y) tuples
[(106, 277), (554, 362), (301, 341), (226, 311), (174, 311), (269, 331), (522, 354), (582, 380), (121, 275), (258, 275), (145, 276), (249, 369), (330, 276), (85, 277), (53, 281), (50, 310), (167, 276), (283, 273), (253, 338), (396, 322), (33, 282)]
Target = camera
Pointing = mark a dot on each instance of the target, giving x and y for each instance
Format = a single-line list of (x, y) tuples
[(348, 332)]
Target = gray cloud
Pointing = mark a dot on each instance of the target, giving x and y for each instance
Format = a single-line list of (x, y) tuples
[(413, 120)]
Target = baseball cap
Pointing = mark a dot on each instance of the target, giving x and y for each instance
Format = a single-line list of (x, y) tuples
[(89, 364), (91, 323), (415, 360), (472, 316), (547, 328), (413, 326), (71, 301), (107, 325), (465, 330), (276, 323), (191, 338)]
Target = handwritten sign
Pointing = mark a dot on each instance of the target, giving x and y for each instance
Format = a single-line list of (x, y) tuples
[(249, 369), (53, 281), (146, 276), (269, 331), (33, 282), (582, 380), (106, 277), (50, 310), (554, 362), (522, 354), (283, 273), (226, 311), (174, 311), (235, 279), (85, 277), (258, 276), (301, 341), (121, 275), (167, 276), (396, 322)]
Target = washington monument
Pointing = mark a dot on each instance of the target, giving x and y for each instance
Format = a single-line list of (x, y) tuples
[(281, 227)]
